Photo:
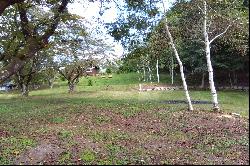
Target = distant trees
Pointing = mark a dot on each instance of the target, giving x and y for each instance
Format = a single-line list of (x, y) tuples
[(35, 41), (50, 75), (144, 21), (72, 72), (209, 35), (74, 50), (27, 75), (207, 22), (31, 74)]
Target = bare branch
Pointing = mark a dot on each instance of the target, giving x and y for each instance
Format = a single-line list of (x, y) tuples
[(24, 21), (52, 27), (200, 9), (61, 72), (117, 5), (220, 34)]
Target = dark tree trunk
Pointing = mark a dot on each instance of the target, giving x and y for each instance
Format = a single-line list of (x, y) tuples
[(203, 80), (235, 78), (230, 80), (71, 87), (25, 90)]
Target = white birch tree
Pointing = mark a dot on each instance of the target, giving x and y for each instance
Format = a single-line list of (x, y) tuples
[(208, 42), (157, 70), (172, 70), (190, 107)]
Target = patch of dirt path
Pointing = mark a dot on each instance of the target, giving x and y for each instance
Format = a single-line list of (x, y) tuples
[(39, 154)]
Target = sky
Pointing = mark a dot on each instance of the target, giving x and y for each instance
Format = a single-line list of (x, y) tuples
[(90, 11)]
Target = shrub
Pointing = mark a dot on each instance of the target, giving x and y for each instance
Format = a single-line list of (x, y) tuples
[(90, 82), (108, 71)]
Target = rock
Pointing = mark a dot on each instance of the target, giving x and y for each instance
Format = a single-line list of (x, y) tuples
[(226, 116), (236, 114)]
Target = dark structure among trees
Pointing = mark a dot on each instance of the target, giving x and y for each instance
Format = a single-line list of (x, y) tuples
[(92, 71)]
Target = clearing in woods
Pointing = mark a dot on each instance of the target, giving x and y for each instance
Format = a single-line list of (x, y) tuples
[(116, 124)]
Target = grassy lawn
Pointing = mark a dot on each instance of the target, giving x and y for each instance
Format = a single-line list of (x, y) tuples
[(112, 123)]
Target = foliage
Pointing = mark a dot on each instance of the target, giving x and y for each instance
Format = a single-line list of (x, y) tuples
[(90, 82), (134, 21), (108, 71), (230, 52), (26, 40)]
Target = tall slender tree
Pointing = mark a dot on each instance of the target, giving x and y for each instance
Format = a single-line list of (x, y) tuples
[(190, 106)]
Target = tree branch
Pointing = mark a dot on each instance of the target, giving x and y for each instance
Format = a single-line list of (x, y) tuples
[(56, 19), (6, 3), (24, 21), (200, 9), (220, 34), (61, 72)]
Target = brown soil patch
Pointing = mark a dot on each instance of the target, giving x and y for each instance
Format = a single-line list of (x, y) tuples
[(3, 133), (39, 154)]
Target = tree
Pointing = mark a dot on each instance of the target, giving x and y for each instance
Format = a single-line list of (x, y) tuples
[(30, 73), (186, 20), (33, 35), (50, 75), (136, 19), (72, 72), (75, 50), (208, 40), (158, 48), (190, 107)]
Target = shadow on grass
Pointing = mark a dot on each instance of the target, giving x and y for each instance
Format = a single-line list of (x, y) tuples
[(185, 102)]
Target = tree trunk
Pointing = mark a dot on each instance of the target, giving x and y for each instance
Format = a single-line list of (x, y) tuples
[(190, 107), (203, 80), (157, 71), (150, 75), (230, 80), (144, 74), (209, 64), (51, 83), (172, 70), (25, 90), (235, 78), (71, 87)]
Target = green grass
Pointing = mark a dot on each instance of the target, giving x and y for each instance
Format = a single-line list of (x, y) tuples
[(98, 113), (230, 101), (14, 146), (88, 156)]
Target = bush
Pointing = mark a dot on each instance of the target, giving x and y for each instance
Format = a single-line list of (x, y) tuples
[(62, 78), (108, 71), (90, 83)]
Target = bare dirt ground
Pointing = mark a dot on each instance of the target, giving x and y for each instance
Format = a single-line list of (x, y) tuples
[(152, 137)]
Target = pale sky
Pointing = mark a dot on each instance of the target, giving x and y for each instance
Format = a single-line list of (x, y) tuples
[(90, 11)]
